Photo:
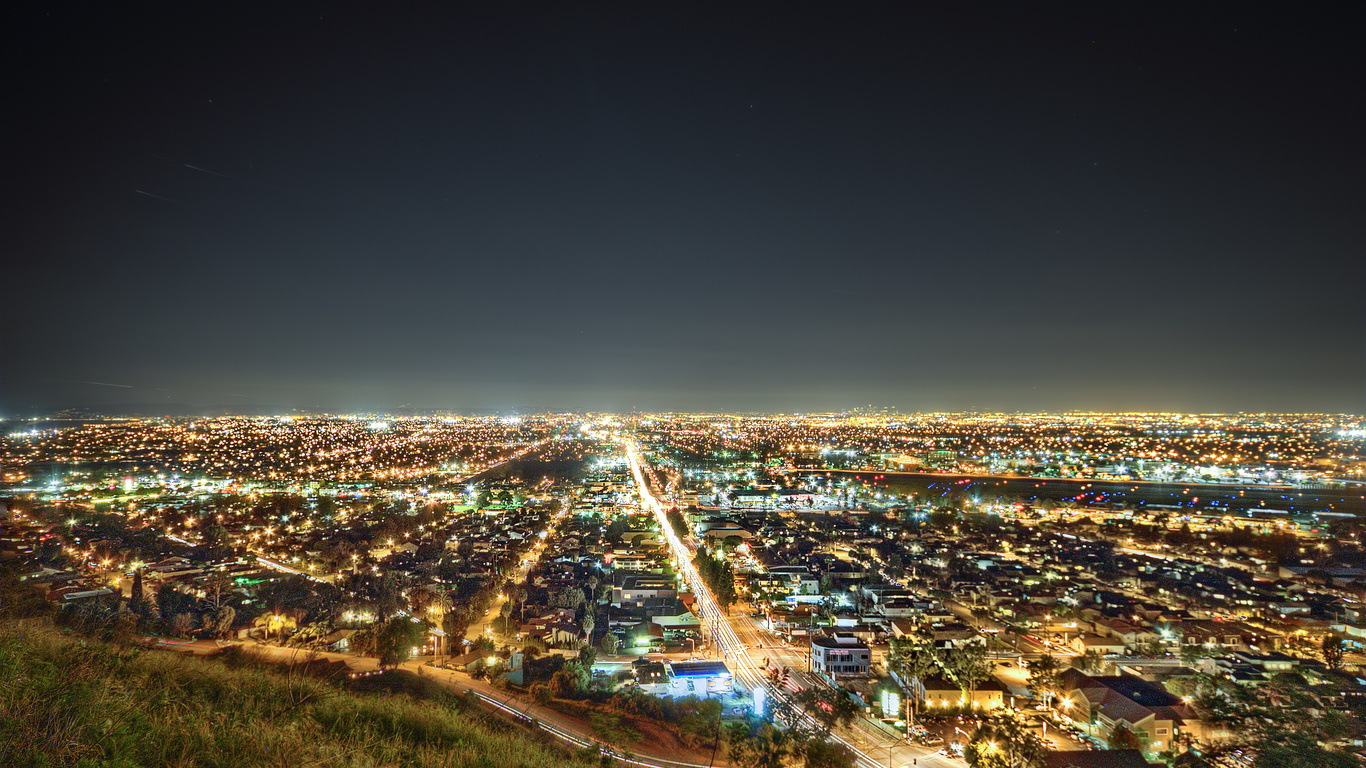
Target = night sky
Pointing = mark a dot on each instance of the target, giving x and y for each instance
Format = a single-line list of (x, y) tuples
[(968, 206)]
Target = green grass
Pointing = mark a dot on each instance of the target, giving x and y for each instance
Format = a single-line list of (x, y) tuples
[(66, 701)]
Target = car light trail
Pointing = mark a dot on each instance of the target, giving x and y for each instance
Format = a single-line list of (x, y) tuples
[(731, 647)]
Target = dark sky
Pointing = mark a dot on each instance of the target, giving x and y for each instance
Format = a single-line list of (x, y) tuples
[(969, 206)]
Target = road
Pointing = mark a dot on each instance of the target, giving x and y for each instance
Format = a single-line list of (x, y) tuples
[(866, 739)]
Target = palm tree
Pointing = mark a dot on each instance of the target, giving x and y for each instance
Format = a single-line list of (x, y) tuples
[(913, 658), (433, 601)]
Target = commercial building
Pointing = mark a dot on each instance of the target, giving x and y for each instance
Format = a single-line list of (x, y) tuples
[(704, 679), (840, 654)]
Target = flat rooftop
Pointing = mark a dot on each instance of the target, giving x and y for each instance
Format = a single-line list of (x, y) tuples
[(700, 669)]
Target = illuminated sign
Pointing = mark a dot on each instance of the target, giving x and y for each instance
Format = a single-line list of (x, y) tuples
[(759, 701), (891, 703)]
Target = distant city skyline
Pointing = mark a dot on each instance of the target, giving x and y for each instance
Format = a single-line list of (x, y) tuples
[(992, 208)]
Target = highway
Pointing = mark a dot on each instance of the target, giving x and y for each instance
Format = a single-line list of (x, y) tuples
[(866, 739)]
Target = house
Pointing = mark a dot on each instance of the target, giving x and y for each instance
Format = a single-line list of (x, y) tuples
[(1103, 705), (1098, 644), (1130, 634), (957, 636), (557, 627), (899, 607), (671, 614), (652, 676), (941, 692), (636, 590), (338, 641)]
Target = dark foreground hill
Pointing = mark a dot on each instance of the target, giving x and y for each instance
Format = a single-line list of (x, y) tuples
[(72, 701)]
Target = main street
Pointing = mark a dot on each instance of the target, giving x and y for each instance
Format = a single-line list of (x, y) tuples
[(866, 739)]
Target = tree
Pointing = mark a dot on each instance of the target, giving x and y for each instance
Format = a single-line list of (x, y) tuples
[(570, 681), (1044, 677), (520, 595), (587, 655), (826, 754), (1123, 738), (1089, 662), (505, 610), (388, 595), (967, 666), (171, 601), (1270, 721), (608, 644), (182, 624), (1004, 742), (456, 623), (569, 597), (223, 620), (913, 658), (540, 693), (396, 639), (757, 745), (1190, 654), (1300, 750), (213, 543), (137, 601), (718, 576), (1332, 652), (275, 623), (677, 523), (215, 585), (828, 708)]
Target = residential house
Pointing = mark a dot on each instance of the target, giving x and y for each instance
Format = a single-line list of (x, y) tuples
[(1103, 705)]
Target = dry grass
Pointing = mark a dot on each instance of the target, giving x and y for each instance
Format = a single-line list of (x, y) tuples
[(65, 701)]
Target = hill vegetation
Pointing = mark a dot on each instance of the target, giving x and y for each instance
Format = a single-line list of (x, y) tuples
[(68, 700)]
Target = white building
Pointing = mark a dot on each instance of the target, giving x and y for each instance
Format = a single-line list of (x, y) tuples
[(840, 654)]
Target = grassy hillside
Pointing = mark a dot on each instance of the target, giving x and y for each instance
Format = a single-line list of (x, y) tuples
[(65, 701)]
